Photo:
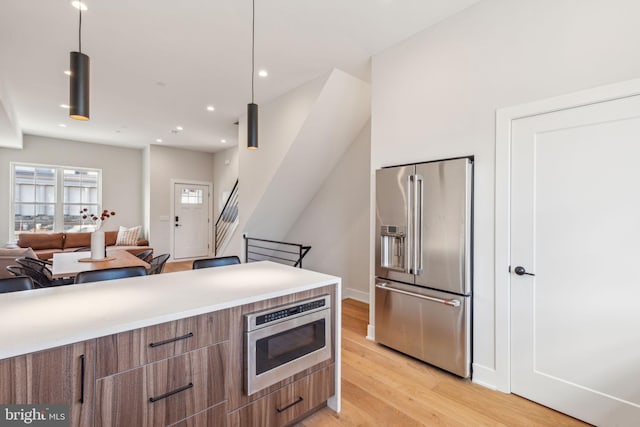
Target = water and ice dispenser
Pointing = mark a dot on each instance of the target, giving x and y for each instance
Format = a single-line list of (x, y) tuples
[(392, 247)]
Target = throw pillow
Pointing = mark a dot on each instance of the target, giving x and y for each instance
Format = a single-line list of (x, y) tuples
[(128, 236), (17, 253)]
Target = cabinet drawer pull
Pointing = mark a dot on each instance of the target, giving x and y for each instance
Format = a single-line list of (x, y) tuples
[(171, 393), (82, 378), (170, 340), (300, 399)]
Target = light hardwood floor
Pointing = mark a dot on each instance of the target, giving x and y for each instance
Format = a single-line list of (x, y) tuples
[(177, 266), (381, 387)]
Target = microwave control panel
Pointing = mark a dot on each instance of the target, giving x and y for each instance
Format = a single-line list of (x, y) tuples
[(282, 314), (276, 314)]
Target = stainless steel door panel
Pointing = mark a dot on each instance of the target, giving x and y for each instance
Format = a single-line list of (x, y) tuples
[(428, 325), (445, 225), (392, 199)]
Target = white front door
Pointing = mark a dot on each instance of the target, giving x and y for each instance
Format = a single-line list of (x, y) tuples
[(190, 221), (575, 225)]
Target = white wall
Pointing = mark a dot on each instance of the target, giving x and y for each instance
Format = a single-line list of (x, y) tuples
[(166, 164), (225, 174), (435, 96), (336, 222), (121, 175), (279, 124), (10, 133), (146, 185), (335, 119)]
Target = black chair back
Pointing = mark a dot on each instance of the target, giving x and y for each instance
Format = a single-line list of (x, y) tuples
[(145, 255), (110, 274), (16, 270), (13, 284), (215, 262), (157, 263), (39, 271)]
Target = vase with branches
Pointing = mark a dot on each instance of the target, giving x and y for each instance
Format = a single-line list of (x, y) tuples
[(98, 248), (96, 220)]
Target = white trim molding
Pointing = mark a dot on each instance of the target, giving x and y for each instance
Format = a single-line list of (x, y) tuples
[(504, 118), (209, 186), (356, 294)]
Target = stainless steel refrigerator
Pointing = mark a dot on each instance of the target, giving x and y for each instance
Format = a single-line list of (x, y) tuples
[(423, 261)]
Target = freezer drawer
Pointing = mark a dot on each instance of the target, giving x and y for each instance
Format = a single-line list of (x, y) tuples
[(429, 325)]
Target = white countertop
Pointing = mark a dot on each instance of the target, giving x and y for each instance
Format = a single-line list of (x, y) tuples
[(47, 318)]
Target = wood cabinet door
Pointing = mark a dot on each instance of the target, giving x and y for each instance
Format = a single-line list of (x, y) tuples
[(290, 403), (214, 416), (131, 349), (164, 392), (63, 375)]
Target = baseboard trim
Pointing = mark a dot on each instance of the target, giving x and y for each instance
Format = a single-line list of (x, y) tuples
[(371, 333), (356, 295), (484, 376)]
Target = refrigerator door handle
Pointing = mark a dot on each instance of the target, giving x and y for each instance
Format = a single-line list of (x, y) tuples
[(451, 302), (419, 228), (410, 225)]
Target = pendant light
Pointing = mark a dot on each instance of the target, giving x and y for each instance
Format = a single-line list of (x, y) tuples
[(79, 79), (252, 109)]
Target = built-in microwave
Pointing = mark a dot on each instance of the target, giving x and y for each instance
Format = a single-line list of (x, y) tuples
[(284, 340)]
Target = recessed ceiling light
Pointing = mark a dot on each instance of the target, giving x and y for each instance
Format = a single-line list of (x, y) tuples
[(179, 128), (263, 73), (79, 5), (62, 125), (224, 141), (67, 72), (64, 106), (158, 140), (211, 108)]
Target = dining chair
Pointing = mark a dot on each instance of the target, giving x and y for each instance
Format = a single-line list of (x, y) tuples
[(110, 274), (13, 284), (145, 255), (157, 263), (39, 271), (215, 262), (17, 270)]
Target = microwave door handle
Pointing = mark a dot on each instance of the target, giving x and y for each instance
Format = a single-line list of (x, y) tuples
[(419, 228)]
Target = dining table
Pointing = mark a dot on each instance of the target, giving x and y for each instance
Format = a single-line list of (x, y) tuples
[(69, 264)]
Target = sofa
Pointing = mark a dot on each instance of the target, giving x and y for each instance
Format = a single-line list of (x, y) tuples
[(44, 245)]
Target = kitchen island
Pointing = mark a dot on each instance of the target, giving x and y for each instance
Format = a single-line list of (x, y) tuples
[(135, 335)]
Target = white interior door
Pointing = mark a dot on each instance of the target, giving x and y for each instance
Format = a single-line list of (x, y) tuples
[(191, 221), (575, 224)]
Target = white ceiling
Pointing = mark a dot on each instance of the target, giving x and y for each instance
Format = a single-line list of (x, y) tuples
[(157, 64)]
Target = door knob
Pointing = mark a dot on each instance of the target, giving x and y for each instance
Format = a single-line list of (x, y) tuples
[(519, 270)]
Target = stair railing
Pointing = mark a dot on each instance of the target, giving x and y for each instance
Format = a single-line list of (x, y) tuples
[(273, 250), (227, 220)]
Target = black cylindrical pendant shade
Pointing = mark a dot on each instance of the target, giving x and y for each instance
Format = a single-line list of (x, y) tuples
[(252, 126), (79, 86)]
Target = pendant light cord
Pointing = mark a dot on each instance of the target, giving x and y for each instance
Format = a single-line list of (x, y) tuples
[(80, 29), (253, 43)]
